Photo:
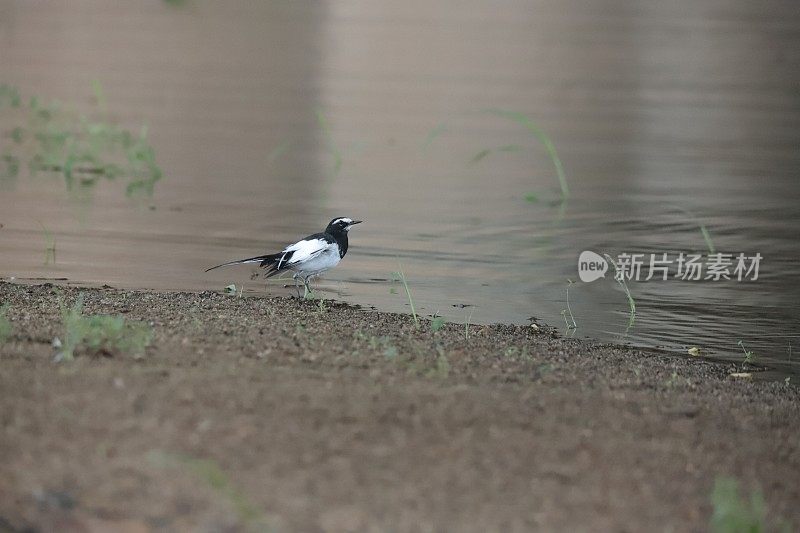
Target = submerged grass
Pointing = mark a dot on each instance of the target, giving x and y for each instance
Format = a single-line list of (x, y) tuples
[(569, 318), (100, 334), (49, 245), (83, 148), (548, 144), (707, 238), (279, 151), (480, 155), (620, 279), (435, 132), (10, 168), (9, 96), (703, 229), (486, 151)]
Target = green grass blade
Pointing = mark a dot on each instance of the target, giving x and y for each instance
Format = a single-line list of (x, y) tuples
[(400, 276), (526, 122), (435, 132)]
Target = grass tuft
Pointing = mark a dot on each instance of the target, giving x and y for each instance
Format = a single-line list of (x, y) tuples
[(100, 334), (5, 324), (441, 368), (210, 472), (749, 356), (734, 514)]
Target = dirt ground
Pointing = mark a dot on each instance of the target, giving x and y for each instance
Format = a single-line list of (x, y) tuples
[(254, 414)]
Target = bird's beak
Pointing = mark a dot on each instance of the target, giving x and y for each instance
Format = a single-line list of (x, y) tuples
[(353, 223)]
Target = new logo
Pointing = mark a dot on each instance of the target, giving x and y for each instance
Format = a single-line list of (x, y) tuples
[(591, 266)]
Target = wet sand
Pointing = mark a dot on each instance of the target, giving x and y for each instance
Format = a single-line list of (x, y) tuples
[(286, 415)]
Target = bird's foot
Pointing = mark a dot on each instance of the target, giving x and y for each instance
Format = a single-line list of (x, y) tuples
[(309, 293)]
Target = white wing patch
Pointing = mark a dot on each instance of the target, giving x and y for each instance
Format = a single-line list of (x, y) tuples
[(304, 250)]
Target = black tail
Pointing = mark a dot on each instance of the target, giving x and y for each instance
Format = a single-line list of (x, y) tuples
[(263, 260)]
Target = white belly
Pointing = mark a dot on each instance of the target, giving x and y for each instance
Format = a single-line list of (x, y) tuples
[(319, 264)]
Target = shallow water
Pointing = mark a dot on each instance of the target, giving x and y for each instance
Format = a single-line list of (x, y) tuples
[(666, 118)]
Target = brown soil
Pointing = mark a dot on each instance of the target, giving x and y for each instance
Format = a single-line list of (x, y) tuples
[(284, 415)]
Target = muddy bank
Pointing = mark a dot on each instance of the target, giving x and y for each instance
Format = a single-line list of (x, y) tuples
[(284, 415)]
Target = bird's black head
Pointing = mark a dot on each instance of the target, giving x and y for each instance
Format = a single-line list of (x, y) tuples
[(341, 225)]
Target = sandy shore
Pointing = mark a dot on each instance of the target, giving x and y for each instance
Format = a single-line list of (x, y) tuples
[(284, 415)]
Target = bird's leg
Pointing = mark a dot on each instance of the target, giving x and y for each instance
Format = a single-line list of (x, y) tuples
[(308, 288), (296, 284)]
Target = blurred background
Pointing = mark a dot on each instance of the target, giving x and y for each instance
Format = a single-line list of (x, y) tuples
[(484, 144)]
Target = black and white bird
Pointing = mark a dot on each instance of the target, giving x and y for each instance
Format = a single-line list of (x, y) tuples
[(309, 257)]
